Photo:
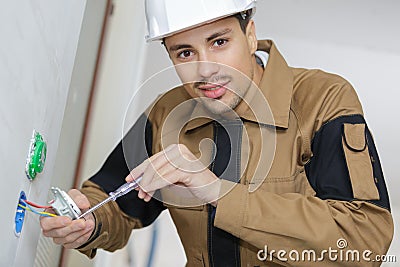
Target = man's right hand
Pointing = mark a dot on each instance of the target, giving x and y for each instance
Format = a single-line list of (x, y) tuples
[(66, 232)]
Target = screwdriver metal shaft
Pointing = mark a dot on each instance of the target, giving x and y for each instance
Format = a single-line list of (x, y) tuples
[(122, 190)]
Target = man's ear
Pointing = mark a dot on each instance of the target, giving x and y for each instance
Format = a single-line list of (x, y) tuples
[(251, 36)]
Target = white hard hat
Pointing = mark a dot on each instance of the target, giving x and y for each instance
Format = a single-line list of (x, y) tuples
[(166, 17)]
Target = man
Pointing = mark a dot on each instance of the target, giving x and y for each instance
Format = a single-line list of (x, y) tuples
[(293, 166)]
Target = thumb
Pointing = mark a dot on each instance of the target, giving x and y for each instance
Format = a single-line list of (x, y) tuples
[(80, 199)]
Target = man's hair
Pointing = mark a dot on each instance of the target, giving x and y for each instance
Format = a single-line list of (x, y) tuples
[(244, 18)]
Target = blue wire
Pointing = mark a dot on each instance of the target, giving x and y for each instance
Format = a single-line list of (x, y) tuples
[(33, 210)]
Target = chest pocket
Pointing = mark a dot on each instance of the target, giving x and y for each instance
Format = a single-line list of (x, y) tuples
[(270, 163), (296, 183)]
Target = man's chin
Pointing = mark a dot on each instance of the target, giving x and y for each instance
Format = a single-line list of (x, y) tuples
[(217, 106)]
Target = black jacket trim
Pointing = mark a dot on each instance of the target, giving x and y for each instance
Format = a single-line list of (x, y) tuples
[(327, 171), (135, 147)]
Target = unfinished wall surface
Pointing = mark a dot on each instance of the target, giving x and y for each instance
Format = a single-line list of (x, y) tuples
[(37, 52)]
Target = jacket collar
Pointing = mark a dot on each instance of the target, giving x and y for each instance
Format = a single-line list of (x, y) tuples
[(276, 87)]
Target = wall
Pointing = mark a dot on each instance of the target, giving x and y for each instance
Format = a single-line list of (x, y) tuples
[(38, 46), (357, 39), (75, 114)]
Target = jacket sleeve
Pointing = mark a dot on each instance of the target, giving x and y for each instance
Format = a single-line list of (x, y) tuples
[(351, 204), (115, 220)]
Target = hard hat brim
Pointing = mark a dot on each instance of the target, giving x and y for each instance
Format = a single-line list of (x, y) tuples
[(167, 34)]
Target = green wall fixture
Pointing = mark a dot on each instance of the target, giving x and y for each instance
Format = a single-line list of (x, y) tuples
[(36, 156)]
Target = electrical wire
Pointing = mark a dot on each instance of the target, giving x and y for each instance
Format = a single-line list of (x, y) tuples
[(31, 209), (44, 214), (37, 205)]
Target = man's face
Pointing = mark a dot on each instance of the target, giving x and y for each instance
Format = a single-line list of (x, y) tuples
[(221, 64)]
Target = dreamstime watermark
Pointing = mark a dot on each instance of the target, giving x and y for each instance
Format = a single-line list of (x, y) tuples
[(331, 254)]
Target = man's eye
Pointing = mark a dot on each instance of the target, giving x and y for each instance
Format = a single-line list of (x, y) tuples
[(185, 54), (220, 42)]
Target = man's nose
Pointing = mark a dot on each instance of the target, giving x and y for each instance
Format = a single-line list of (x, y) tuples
[(207, 69)]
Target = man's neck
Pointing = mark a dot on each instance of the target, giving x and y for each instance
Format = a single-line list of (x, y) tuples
[(258, 72)]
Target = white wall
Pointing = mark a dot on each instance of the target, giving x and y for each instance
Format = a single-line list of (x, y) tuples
[(74, 115), (37, 52), (358, 39)]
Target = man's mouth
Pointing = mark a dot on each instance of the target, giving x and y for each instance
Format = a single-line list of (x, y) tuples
[(213, 90)]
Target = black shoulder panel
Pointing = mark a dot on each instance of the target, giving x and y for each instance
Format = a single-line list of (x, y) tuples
[(327, 170), (135, 147)]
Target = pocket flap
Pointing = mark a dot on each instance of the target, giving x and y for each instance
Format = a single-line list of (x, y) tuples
[(354, 136)]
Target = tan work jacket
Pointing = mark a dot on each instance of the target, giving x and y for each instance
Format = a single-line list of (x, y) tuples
[(310, 177)]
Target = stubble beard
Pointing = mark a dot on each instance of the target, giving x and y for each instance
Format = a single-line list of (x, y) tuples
[(219, 107)]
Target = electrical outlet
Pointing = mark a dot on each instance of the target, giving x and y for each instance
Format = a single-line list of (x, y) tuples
[(20, 214)]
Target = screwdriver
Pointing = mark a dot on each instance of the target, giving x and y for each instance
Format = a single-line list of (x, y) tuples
[(122, 190)]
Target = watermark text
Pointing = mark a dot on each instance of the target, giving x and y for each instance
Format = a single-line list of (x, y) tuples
[(340, 253)]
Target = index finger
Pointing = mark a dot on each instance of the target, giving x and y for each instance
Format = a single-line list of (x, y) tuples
[(140, 169), (50, 223)]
